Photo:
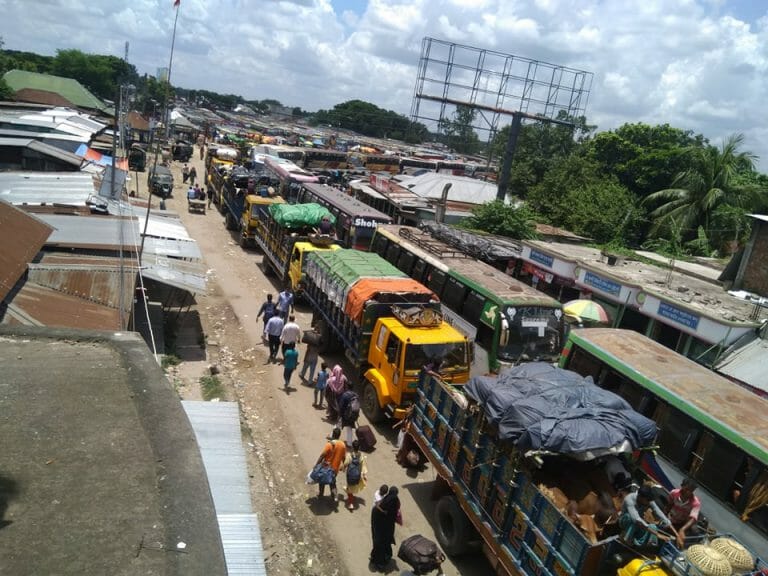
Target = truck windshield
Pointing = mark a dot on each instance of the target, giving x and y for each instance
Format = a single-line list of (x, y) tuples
[(534, 333), (453, 356)]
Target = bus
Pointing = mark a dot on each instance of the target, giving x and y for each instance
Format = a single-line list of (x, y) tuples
[(295, 155), (409, 165), (710, 429), (452, 167), (322, 159), (289, 176), (355, 222), (375, 162), (508, 321)]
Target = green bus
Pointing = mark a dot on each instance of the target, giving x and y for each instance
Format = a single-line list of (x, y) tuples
[(710, 428), (508, 321)]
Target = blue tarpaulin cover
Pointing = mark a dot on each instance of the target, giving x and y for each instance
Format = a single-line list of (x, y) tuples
[(538, 406)]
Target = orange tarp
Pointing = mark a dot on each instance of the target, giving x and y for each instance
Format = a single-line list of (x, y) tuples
[(368, 288)]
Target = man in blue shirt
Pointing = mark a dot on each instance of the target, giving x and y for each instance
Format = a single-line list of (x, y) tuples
[(285, 303)]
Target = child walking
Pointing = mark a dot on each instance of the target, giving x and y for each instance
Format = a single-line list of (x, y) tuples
[(320, 383)]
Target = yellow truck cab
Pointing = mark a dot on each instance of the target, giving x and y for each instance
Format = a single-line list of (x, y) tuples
[(296, 268), (400, 347), (251, 223)]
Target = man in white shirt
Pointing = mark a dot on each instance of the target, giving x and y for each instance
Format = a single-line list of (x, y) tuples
[(290, 334), (273, 330)]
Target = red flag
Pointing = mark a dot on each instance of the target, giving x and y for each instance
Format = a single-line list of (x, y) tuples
[(176, 3)]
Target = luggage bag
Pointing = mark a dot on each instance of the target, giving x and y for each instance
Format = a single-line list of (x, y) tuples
[(366, 437)]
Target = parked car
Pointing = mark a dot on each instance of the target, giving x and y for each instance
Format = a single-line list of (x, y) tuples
[(160, 181)]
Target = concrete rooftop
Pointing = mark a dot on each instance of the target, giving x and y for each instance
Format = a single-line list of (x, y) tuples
[(100, 472)]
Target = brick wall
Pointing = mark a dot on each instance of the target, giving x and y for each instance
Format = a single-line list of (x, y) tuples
[(756, 271)]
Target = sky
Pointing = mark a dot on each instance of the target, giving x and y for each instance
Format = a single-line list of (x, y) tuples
[(698, 65)]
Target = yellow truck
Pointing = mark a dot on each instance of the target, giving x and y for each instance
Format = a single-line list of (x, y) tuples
[(390, 326)]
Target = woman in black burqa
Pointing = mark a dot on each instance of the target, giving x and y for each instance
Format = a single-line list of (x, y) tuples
[(383, 518)]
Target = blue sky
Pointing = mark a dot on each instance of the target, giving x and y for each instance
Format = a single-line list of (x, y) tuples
[(699, 65)]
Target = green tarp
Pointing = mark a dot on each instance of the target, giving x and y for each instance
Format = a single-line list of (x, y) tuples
[(347, 266), (299, 215)]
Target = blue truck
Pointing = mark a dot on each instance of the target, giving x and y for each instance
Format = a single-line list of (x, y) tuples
[(488, 495)]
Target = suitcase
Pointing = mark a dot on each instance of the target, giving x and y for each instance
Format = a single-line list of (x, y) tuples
[(420, 553), (366, 437)]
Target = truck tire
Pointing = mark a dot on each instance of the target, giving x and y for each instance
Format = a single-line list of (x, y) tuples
[(229, 222), (370, 404), (453, 531)]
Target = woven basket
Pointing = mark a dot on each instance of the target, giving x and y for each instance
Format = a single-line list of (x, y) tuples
[(739, 557), (708, 561)]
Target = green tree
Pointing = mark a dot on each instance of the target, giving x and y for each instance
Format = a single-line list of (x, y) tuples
[(644, 158), (540, 146), (502, 219), (102, 75), (602, 210), (458, 133), (711, 181)]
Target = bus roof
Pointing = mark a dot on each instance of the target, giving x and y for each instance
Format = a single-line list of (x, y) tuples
[(484, 276), (346, 203), (738, 415)]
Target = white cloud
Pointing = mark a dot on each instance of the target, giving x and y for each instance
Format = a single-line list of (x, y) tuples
[(696, 64)]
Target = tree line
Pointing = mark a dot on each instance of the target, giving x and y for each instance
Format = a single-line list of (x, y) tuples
[(660, 187)]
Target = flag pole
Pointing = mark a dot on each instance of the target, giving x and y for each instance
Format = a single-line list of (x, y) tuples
[(166, 117), (177, 5)]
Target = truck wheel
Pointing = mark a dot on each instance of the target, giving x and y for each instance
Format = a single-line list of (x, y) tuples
[(370, 405), (454, 532), (229, 222)]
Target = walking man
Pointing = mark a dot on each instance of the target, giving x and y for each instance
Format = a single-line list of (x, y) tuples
[(192, 175), (285, 302), (290, 334), (185, 174), (333, 455), (290, 361), (268, 309), (312, 339), (273, 329)]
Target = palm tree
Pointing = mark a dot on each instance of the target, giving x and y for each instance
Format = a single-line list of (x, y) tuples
[(698, 191)]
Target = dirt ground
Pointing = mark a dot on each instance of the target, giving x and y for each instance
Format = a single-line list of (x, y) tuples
[(283, 433)]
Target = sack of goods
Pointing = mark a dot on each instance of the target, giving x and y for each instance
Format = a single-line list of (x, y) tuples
[(322, 474), (421, 554)]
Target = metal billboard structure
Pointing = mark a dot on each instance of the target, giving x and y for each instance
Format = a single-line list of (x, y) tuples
[(494, 85)]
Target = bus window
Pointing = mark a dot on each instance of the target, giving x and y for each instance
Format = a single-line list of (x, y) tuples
[(473, 307), (436, 281), (678, 435), (392, 253), (583, 363), (718, 462), (453, 294), (405, 261), (380, 245), (419, 272)]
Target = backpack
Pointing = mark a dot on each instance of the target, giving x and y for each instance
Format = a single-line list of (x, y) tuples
[(354, 471), (352, 410)]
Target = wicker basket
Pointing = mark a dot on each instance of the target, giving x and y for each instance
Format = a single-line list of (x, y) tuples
[(739, 557), (708, 561)]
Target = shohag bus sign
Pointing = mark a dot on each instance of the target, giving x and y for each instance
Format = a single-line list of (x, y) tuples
[(360, 222)]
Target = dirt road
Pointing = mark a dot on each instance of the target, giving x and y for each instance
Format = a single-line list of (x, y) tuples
[(284, 433)]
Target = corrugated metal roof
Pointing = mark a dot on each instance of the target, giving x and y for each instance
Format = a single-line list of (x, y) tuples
[(35, 305), (42, 148), (23, 237), (188, 276), (69, 88), (747, 364), (41, 97), (175, 248), (99, 231), (217, 428), (93, 282), (69, 188), (463, 189)]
